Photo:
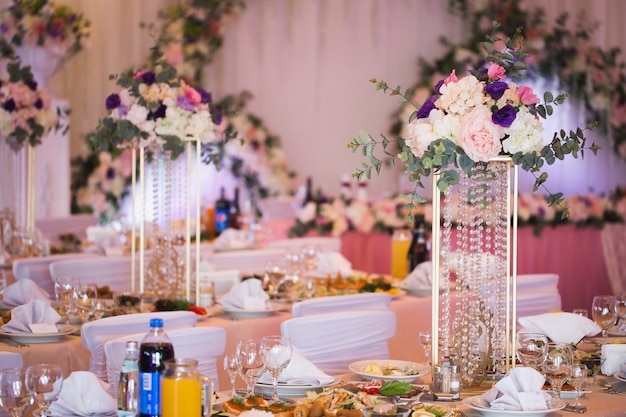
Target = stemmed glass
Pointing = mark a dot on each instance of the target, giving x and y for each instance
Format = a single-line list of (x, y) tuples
[(3, 281), (309, 257), (249, 362), (577, 379), (621, 310), (556, 366), (64, 291), (276, 352), (531, 349), (604, 312), (231, 368), (14, 395), (275, 274), (85, 298), (44, 382), (426, 340)]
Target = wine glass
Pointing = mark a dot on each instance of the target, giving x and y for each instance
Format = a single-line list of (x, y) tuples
[(580, 312), (85, 298), (556, 366), (14, 395), (276, 352), (275, 274), (309, 257), (44, 382), (577, 379), (531, 349), (231, 368), (621, 309), (64, 292), (249, 362), (426, 340), (3, 281), (604, 312)]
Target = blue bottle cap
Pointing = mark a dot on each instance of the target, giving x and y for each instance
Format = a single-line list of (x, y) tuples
[(156, 322)]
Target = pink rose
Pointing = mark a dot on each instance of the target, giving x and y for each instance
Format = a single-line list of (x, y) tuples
[(193, 95), (450, 78), (479, 136), (496, 72), (526, 95)]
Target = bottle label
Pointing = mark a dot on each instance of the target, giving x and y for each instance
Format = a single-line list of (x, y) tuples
[(221, 220), (149, 393)]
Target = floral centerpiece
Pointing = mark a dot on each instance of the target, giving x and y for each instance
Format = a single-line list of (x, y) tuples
[(470, 120), (155, 110), (25, 113), (43, 23), (191, 33)]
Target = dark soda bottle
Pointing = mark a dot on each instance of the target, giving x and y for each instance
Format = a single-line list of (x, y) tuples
[(222, 210), (234, 216), (418, 251), (156, 347)]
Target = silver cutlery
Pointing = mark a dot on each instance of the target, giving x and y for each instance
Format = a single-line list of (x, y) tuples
[(571, 408), (608, 388)]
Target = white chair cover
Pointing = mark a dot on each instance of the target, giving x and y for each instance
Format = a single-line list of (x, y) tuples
[(204, 344), (321, 305), (614, 251), (52, 227), (537, 282), (325, 243), (246, 261), (279, 208), (38, 269), (96, 333), (334, 340), (537, 294), (11, 360), (114, 271)]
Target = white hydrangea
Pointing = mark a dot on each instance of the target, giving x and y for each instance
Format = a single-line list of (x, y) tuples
[(461, 96), (524, 134), (445, 126), (421, 134)]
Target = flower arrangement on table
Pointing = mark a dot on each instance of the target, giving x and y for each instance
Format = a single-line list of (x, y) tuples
[(473, 119), (155, 110), (43, 23), (25, 113), (191, 33)]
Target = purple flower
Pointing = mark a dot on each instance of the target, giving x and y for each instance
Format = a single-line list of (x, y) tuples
[(496, 90), (3, 28), (148, 77), (504, 116), (72, 18), (184, 103), (216, 115), (39, 104), (438, 86), (255, 145), (160, 112), (32, 84), (113, 101), (424, 111), (9, 105), (110, 174), (205, 96)]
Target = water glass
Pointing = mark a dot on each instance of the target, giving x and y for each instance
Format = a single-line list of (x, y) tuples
[(621, 310), (14, 395), (3, 281), (249, 362), (577, 379), (44, 382), (64, 292), (604, 312), (231, 368), (426, 340), (85, 298), (276, 351), (580, 312), (557, 366), (531, 349), (309, 257), (275, 275)]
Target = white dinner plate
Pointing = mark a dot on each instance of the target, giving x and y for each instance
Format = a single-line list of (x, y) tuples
[(420, 369), (290, 390), (64, 330), (247, 314), (620, 375), (475, 403), (419, 291), (569, 395)]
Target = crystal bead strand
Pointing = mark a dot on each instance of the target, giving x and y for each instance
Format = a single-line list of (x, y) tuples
[(445, 249)]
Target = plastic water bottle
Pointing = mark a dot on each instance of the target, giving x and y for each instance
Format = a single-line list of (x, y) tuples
[(156, 347), (127, 390)]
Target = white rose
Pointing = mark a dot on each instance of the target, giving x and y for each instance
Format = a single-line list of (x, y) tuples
[(446, 126), (136, 114), (421, 134)]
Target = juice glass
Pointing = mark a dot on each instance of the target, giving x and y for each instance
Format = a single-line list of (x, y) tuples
[(184, 391), (400, 242)]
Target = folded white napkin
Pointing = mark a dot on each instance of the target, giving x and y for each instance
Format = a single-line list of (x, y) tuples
[(299, 371), (21, 292), (420, 277), (231, 239), (331, 263), (613, 356), (35, 312), (520, 390), (560, 327), (105, 237), (83, 394), (247, 295)]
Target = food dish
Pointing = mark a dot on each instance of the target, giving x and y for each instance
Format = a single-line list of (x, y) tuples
[(40, 337), (360, 366), (247, 314), (620, 375), (475, 403), (291, 390)]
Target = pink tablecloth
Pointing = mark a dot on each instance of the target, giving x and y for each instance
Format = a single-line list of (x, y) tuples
[(575, 254)]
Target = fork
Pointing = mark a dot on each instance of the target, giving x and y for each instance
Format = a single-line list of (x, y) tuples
[(606, 387)]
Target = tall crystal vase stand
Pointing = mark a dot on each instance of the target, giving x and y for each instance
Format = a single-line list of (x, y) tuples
[(474, 270)]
